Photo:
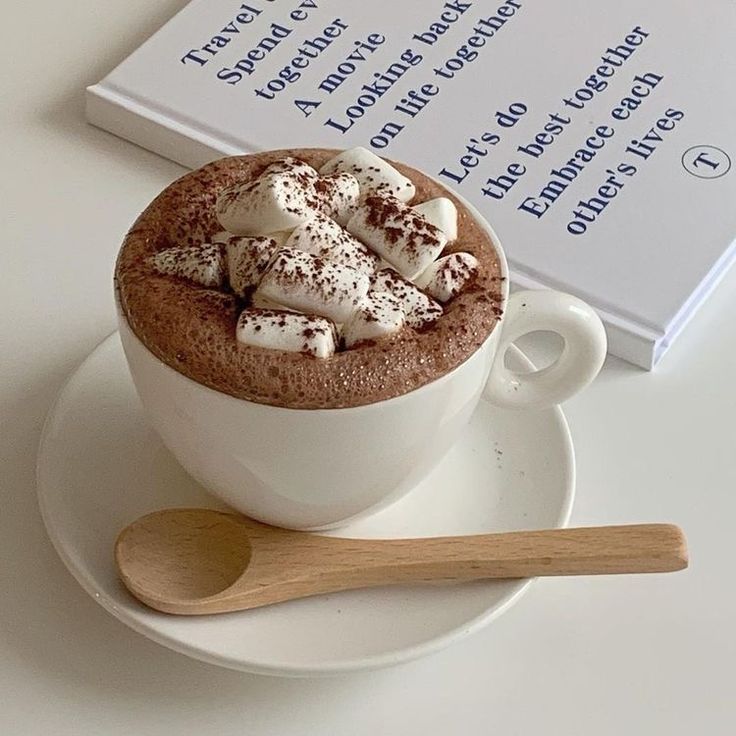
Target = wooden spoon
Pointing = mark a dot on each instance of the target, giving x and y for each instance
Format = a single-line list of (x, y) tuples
[(196, 561)]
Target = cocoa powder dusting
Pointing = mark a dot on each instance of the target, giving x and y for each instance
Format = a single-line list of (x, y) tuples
[(192, 328)]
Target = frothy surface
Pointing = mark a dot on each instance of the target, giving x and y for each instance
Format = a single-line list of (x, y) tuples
[(192, 328)]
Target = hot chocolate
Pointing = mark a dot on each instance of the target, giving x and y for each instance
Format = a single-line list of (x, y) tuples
[(309, 279)]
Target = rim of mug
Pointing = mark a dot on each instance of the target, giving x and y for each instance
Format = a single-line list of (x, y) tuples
[(485, 226)]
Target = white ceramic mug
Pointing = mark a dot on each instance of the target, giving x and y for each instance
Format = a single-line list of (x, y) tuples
[(319, 468)]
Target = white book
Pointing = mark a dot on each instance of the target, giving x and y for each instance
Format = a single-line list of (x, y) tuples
[(596, 137)]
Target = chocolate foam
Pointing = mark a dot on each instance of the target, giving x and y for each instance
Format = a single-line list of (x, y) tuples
[(192, 328)]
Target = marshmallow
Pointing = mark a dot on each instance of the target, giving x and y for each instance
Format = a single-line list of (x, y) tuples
[(224, 237), (442, 213), (323, 237), (295, 333), (260, 301), (248, 258), (294, 166), (268, 204), (420, 310), (311, 284), (397, 233), (203, 264), (446, 277), (378, 315), (372, 173), (337, 196)]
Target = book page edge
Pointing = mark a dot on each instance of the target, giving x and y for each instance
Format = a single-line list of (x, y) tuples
[(626, 339), (124, 117)]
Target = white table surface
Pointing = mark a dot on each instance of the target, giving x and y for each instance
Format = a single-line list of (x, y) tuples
[(647, 655)]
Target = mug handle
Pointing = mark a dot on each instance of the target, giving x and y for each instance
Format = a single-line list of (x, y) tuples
[(578, 364)]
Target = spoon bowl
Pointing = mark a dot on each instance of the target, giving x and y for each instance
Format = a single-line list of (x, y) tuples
[(180, 556)]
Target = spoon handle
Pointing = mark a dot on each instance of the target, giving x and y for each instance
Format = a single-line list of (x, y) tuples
[(640, 548)]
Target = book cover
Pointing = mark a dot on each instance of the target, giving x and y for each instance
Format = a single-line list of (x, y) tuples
[(597, 138)]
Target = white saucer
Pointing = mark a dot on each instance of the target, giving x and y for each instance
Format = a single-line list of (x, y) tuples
[(100, 467)]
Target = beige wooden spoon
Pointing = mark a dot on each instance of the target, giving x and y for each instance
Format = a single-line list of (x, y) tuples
[(196, 561)]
